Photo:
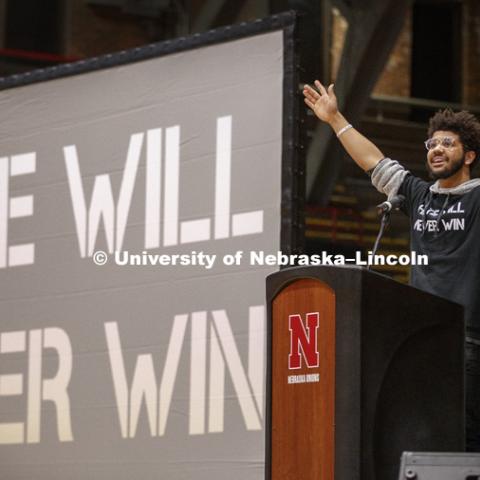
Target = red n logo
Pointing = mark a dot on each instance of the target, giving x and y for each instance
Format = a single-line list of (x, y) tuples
[(299, 339)]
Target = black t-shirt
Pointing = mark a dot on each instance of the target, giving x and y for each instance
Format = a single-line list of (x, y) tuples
[(446, 227)]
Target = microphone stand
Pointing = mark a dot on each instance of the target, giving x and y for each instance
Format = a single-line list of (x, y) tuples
[(384, 222)]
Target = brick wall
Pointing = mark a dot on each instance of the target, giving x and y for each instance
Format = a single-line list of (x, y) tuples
[(471, 52), (339, 30), (95, 31), (395, 79)]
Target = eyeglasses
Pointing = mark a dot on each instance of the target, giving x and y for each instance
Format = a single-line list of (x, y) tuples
[(445, 142)]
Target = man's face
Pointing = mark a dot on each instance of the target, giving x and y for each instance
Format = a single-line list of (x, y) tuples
[(446, 157)]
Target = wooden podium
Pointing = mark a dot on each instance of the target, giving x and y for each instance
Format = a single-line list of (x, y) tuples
[(360, 368)]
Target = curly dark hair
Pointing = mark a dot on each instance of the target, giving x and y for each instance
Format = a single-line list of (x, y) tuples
[(464, 124)]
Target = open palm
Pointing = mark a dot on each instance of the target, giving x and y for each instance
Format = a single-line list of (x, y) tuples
[(323, 103)]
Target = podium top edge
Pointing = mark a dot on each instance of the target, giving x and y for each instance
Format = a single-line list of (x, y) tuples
[(334, 274)]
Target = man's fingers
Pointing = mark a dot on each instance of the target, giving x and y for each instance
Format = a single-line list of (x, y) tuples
[(310, 98), (320, 87), (311, 89), (330, 89), (309, 92), (309, 103)]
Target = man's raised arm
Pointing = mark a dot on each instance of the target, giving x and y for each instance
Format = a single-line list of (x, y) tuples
[(324, 104)]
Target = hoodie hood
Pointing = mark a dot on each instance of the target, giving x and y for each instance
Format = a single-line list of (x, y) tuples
[(465, 187)]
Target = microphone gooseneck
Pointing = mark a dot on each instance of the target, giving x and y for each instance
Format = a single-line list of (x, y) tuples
[(385, 210)]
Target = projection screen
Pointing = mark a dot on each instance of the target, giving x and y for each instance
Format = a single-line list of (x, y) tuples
[(139, 195)]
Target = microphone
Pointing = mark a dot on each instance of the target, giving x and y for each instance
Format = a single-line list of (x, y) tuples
[(393, 204), (384, 210)]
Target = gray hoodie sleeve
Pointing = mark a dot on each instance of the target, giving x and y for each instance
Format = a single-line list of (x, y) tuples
[(387, 176)]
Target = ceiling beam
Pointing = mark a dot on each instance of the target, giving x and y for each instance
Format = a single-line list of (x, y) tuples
[(374, 27)]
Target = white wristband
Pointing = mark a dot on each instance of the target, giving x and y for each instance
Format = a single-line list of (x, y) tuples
[(344, 129)]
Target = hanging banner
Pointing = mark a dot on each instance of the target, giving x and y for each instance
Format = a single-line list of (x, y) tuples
[(140, 212)]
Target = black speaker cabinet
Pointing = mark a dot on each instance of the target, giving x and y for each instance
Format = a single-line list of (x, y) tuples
[(439, 466), (397, 372)]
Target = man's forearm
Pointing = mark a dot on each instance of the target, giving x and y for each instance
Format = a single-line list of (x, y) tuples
[(365, 154), (323, 103)]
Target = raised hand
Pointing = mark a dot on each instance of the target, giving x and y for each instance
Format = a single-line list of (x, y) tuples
[(323, 103)]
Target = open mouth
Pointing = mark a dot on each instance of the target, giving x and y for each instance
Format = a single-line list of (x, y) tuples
[(438, 161)]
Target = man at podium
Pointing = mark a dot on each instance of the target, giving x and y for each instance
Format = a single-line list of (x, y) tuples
[(444, 216)]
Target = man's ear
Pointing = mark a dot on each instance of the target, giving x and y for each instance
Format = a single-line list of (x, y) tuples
[(470, 157)]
